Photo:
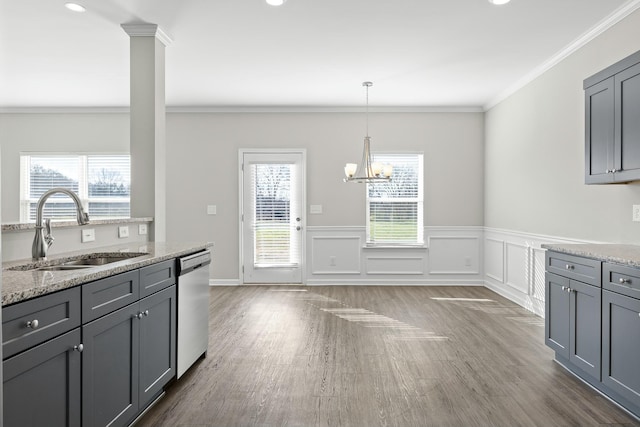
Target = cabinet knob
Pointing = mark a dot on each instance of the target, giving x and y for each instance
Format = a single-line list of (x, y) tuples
[(138, 316), (33, 324), (623, 280), (569, 267), (146, 312), (78, 348)]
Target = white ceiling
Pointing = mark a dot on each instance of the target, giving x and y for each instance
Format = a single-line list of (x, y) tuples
[(306, 53)]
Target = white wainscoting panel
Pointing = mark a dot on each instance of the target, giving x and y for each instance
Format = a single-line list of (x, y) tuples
[(395, 265), (454, 255), (537, 279), (335, 254), (518, 269), (515, 265), (494, 259)]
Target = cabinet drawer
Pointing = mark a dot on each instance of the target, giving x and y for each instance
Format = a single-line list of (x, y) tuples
[(157, 277), (54, 314), (585, 270), (620, 279), (106, 295)]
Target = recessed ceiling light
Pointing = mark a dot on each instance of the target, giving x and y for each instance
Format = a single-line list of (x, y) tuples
[(498, 2), (75, 7), (275, 2)]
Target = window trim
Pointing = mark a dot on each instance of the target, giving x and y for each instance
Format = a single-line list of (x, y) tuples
[(420, 241), (83, 182)]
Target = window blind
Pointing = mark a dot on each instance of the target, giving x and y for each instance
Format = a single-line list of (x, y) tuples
[(103, 183), (395, 208), (275, 243)]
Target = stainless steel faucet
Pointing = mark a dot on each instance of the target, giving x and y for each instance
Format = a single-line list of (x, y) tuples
[(41, 242)]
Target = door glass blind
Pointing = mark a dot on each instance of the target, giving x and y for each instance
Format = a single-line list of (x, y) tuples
[(395, 208), (275, 238)]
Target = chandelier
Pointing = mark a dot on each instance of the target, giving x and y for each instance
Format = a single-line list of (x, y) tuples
[(367, 171)]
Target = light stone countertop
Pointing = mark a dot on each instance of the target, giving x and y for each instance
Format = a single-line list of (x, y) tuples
[(628, 255), (22, 285), (18, 226)]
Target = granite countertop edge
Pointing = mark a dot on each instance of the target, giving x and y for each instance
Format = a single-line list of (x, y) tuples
[(18, 286), (20, 226), (626, 255)]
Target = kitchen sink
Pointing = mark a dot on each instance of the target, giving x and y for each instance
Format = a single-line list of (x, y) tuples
[(79, 262)]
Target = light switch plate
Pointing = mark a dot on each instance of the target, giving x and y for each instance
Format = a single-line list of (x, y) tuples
[(315, 209), (636, 213), (142, 229), (212, 209), (88, 235), (123, 231)]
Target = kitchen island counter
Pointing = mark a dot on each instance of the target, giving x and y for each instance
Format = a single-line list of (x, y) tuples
[(20, 285)]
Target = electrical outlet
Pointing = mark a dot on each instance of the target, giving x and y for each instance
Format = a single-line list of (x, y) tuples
[(636, 213), (142, 229), (88, 235), (212, 209), (123, 231), (332, 261), (467, 261)]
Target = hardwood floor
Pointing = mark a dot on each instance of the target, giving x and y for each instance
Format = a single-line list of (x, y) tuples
[(377, 356)]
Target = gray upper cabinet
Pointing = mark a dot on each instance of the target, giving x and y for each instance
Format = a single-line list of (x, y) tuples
[(612, 123)]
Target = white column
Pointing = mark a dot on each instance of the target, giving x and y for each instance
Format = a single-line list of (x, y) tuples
[(147, 123)]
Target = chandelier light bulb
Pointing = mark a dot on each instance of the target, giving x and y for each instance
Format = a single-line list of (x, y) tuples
[(275, 2), (75, 7), (499, 2)]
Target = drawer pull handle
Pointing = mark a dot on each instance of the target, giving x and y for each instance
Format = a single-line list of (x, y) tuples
[(78, 348), (623, 280), (33, 324), (569, 267)]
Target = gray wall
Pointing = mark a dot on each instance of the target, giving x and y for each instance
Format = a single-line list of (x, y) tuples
[(86, 133), (202, 153), (534, 158)]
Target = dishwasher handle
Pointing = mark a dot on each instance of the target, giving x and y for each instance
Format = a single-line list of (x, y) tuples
[(193, 262)]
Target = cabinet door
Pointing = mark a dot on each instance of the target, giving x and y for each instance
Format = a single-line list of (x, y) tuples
[(110, 368), (42, 385), (621, 345), (584, 351), (627, 124), (556, 321), (599, 132), (157, 343)]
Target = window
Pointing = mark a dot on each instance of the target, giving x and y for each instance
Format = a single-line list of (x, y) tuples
[(395, 208), (103, 183)]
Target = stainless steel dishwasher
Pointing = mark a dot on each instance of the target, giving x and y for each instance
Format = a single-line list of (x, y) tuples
[(193, 309)]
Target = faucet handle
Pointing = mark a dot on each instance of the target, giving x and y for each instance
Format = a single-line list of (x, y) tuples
[(48, 238)]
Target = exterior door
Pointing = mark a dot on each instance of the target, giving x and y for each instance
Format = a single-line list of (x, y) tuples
[(272, 216)]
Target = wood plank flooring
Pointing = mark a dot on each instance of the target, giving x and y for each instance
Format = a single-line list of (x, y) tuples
[(377, 356)]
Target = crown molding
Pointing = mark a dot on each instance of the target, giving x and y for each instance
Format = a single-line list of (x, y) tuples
[(615, 17), (142, 29), (296, 109), (265, 110)]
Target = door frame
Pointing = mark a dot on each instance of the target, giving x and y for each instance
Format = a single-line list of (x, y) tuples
[(303, 243)]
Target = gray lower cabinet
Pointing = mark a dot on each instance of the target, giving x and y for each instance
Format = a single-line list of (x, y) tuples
[(42, 384), (93, 355), (157, 343), (594, 327), (129, 357), (572, 322), (110, 368)]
